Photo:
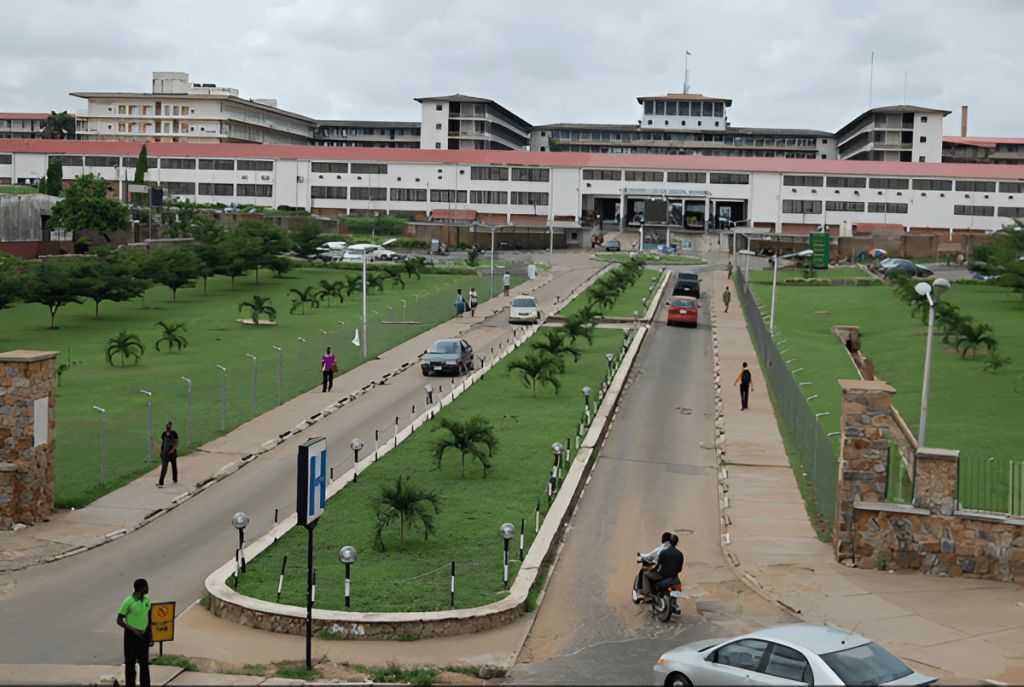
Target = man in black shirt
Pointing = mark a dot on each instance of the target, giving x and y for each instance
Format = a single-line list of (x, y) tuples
[(168, 454), (666, 571)]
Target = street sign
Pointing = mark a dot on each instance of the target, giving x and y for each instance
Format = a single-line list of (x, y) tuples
[(162, 620), (311, 481), (820, 245)]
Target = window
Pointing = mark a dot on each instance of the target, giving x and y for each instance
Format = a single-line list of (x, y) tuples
[(178, 188), (5, 159), (633, 175), (331, 192), (933, 185), (1003, 211), (330, 167), (722, 178), (437, 145), (1011, 187), (648, 107), (924, 139), (255, 190), (975, 210), (687, 177), (488, 197), (791, 180), (846, 182), (788, 664), (226, 165), (438, 107), (867, 664), (216, 189), (982, 186), (523, 198), (801, 207), (924, 118), (843, 206), (368, 193), (890, 208), (889, 183), (745, 654), (255, 166), (603, 174), (131, 162), (369, 168), (488, 173), (438, 126), (100, 161), (659, 107), (670, 108), (719, 110), (530, 174), (177, 163), (409, 194)]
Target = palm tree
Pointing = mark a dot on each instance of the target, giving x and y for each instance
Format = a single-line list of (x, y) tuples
[(470, 436), (555, 342), (125, 345), (259, 306), (375, 280), (353, 284), (332, 289), (306, 295), (169, 333), (974, 335), (59, 125), (396, 277), (602, 294), (413, 266), (408, 503), (580, 325), (538, 367)]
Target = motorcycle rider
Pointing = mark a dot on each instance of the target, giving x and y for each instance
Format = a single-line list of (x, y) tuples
[(647, 560), (666, 571)]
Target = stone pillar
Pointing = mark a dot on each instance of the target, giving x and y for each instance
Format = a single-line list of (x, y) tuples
[(27, 398), (866, 414), (935, 483)]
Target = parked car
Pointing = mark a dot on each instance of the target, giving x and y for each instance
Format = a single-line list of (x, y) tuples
[(786, 655), (909, 268), (388, 255), (447, 356), (357, 251), (612, 245), (893, 263), (682, 310), (687, 284), (524, 309), (331, 250)]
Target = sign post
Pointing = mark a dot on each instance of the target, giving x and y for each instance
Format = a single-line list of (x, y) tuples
[(310, 497), (819, 243), (161, 620)]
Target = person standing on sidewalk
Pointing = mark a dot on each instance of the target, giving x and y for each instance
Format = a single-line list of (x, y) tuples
[(328, 366), (726, 297), (744, 379), (506, 282), (474, 300), (168, 454), (429, 389), (133, 616), (460, 303)]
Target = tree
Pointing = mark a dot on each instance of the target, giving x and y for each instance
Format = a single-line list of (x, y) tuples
[(211, 247), (555, 342), (174, 268), (974, 335), (113, 277), (125, 345), (279, 264), (12, 280), (580, 324), (470, 437), (52, 182), (395, 275), (538, 367), (602, 294), (306, 295), (1001, 256), (85, 205), (59, 125), (415, 266), (306, 237), (169, 334), (258, 242), (142, 166), (55, 283), (331, 289), (375, 280), (353, 284), (259, 306), (409, 504)]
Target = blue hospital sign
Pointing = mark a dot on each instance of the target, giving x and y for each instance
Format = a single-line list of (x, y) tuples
[(311, 483)]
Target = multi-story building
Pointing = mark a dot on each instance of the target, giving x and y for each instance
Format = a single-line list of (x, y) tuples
[(179, 111), (367, 133), (901, 133), (463, 122), (993, 151), (22, 124)]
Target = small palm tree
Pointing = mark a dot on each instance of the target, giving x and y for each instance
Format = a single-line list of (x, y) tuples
[(259, 306), (169, 334), (353, 284), (468, 437), (537, 368), (125, 345), (602, 294), (580, 324), (375, 280), (414, 266), (395, 275), (306, 295), (409, 504), (993, 362), (974, 335), (331, 289), (556, 342)]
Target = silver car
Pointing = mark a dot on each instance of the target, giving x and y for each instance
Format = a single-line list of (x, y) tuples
[(786, 655)]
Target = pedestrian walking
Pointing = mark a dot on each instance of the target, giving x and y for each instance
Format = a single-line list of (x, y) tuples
[(460, 303), (429, 389), (744, 379), (168, 454), (506, 282), (328, 366), (726, 297), (133, 617), (730, 270), (474, 300)]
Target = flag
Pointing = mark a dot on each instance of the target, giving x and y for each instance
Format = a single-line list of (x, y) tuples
[(355, 339), (687, 52)]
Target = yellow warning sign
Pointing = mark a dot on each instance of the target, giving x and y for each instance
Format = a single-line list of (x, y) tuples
[(162, 620)]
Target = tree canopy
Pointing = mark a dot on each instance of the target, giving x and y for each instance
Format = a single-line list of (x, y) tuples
[(1002, 256), (174, 268), (85, 205), (55, 283)]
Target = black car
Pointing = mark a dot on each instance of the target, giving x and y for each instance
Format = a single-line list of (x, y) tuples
[(612, 245), (447, 356), (687, 284)]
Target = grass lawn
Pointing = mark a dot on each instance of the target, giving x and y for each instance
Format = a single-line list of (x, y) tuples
[(472, 508), (214, 337), (18, 190), (627, 302), (970, 410), (652, 258), (831, 274)]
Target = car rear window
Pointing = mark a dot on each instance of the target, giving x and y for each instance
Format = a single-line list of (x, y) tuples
[(684, 303), (445, 347), (524, 303), (867, 664)]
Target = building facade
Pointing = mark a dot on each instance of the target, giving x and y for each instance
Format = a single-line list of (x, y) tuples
[(22, 124), (991, 151), (464, 122), (902, 133)]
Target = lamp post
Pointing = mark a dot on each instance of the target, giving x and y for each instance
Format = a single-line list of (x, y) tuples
[(252, 388), (302, 340), (223, 397), (347, 555), (775, 279), (357, 446), (586, 398), (610, 357), (103, 443), (280, 361), (508, 530), (363, 342), (188, 410), (149, 423), (746, 268), (239, 521), (405, 304), (556, 451), (931, 292)]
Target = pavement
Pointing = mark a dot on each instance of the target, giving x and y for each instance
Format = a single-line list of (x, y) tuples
[(956, 628)]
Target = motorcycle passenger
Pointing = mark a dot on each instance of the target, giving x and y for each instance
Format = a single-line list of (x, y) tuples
[(647, 560), (666, 571)]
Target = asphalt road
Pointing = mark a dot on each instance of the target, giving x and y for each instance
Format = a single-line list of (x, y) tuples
[(656, 471)]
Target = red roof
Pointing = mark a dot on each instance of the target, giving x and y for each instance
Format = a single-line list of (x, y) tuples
[(981, 141), (518, 157), (24, 115)]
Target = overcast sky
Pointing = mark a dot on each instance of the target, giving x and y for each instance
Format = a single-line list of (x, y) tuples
[(795, 63)]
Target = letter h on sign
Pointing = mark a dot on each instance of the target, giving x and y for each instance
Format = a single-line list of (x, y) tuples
[(311, 481)]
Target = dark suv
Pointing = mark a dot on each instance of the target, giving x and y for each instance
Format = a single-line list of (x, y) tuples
[(687, 284), (447, 356)]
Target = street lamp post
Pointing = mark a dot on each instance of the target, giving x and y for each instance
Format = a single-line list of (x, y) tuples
[(746, 268), (149, 423), (280, 361), (556, 451), (775, 279), (610, 357), (363, 343), (252, 388), (188, 410), (223, 397), (357, 446), (508, 530), (931, 292), (347, 555), (302, 340), (103, 443), (586, 398), (239, 521)]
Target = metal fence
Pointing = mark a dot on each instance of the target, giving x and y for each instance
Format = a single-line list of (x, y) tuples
[(991, 484), (817, 455)]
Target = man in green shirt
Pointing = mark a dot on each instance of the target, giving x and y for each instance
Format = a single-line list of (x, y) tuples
[(133, 616)]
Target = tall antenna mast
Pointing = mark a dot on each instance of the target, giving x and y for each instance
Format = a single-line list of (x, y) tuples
[(686, 73), (905, 78), (871, 82)]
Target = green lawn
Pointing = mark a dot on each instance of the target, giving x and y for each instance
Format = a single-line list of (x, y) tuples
[(18, 190), (652, 258), (831, 274), (969, 409), (214, 337), (628, 301), (472, 508)]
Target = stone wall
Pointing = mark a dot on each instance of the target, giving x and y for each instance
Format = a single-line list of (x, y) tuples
[(27, 397)]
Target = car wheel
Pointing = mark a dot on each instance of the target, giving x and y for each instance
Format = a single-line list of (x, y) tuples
[(677, 680), (426, 373)]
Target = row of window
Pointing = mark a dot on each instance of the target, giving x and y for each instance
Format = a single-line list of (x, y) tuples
[(419, 195), (673, 177), (675, 108), (188, 188), (813, 207), (902, 184)]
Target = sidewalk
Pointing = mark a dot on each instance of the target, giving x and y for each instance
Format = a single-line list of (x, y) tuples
[(955, 628)]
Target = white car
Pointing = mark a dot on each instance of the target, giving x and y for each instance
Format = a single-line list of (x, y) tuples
[(524, 309), (356, 252), (786, 655)]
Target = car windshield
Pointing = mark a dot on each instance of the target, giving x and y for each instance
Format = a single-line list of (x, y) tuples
[(524, 303), (444, 347), (868, 664), (683, 302)]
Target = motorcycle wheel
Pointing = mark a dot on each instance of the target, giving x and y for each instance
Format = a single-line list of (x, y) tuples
[(636, 596), (664, 612)]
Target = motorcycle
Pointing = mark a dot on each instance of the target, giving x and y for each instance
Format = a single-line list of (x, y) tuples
[(663, 602)]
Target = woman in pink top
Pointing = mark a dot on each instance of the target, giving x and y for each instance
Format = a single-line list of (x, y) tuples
[(328, 367)]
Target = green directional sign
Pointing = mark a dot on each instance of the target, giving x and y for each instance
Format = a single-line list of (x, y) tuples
[(820, 246)]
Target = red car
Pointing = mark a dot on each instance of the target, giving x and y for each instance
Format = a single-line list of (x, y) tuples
[(682, 310)]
